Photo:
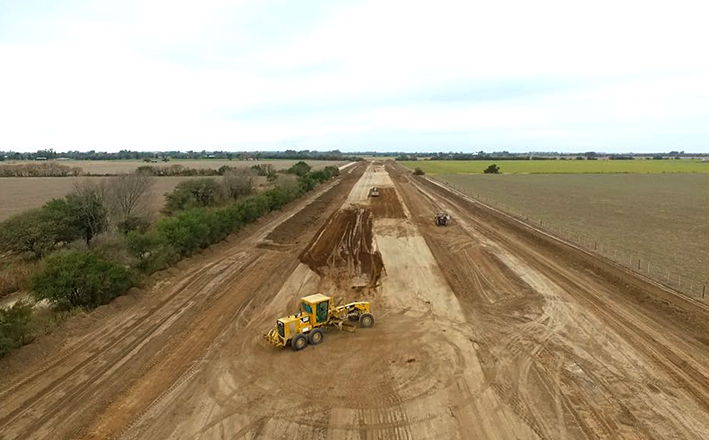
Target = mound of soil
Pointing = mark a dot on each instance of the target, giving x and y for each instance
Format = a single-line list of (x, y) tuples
[(343, 250)]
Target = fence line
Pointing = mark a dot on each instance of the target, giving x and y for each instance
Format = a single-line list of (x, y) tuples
[(681, 281)]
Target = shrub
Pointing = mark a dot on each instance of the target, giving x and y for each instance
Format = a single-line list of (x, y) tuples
[(88, 212), (419, 172), (238, 183), (194, 193), (15, 326), (151, 250), (300, 169), (112, 246), (73, 279), (186, 231), (492, 169), (16, 276), (266, 170), (35, 233)]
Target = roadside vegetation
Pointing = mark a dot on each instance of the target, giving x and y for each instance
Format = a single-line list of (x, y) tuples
[(85, 249)]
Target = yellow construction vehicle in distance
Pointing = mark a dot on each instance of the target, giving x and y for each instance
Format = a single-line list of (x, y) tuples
[(316, 312)]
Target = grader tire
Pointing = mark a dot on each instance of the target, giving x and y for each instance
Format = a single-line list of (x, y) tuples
[(366, 320), (316, 337), (299, 342)]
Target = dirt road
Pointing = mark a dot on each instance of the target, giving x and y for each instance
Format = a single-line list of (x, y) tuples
[(485, 329)]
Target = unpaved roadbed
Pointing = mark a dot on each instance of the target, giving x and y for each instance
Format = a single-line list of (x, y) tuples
[(484, 329)]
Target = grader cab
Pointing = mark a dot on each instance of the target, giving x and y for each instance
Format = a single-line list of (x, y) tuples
[(316, 312)]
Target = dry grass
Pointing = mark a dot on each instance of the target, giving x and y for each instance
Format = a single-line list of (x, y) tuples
[(659, 219), (15, 275)]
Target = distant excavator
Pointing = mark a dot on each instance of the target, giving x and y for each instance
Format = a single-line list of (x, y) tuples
[(316, 312)]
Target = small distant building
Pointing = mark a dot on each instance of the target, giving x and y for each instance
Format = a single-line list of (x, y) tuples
[(40, 158)]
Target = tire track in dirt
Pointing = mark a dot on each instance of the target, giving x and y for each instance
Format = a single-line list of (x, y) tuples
[(146, 334), (119, 348), (582, 402)]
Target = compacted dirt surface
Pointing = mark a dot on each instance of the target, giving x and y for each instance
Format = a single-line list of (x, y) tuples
[(486, 328)]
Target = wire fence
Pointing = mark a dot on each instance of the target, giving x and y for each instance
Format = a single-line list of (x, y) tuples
[(679, 279)]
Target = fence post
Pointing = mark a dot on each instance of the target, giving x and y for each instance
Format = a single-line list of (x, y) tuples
[(638, 264), (679, 279), (704, 290)]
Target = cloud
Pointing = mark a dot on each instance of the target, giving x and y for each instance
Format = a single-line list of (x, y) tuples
[(453, 75)]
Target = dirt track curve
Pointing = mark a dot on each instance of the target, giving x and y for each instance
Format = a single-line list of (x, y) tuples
[(484, 329)]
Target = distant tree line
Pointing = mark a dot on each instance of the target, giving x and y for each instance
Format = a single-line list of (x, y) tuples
[(505, 155), (50, 154)]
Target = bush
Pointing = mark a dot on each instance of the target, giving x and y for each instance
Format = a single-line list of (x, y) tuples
[(492, 169), (151, 250), (419, 172), (16, 276), (15, 327), (299, 169), (238, 183), (265, 170), (184, 233), (112, 246), (194, 193), (35, 233), (88, 215), (80, 279)]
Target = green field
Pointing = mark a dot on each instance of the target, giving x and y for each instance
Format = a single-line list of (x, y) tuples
[(660, 220), (561, 166)]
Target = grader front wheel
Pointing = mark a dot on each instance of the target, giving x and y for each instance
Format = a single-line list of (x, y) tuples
[(366, 320)]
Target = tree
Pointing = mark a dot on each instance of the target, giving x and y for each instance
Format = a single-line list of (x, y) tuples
[(127, 199), (194, 193), (88, 207), (37, 231), (74, 278), (238, 182), (300, 169), (492, 169)]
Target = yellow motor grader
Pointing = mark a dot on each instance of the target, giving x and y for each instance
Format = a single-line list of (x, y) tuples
[(316, 312)]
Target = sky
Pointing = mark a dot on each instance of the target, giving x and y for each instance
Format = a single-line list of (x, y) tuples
[(615, 76)]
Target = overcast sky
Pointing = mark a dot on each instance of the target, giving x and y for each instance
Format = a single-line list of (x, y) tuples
[(616, 75)]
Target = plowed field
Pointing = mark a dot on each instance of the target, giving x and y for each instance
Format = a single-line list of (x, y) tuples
[(486, 328)]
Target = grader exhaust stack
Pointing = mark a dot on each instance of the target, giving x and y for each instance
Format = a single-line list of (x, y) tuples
[(316, 312)]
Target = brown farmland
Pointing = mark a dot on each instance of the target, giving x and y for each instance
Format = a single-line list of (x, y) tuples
[(18, 194), (656, 224), (485, 329)]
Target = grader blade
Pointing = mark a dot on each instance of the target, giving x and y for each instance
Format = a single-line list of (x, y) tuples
[(344, 326)]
